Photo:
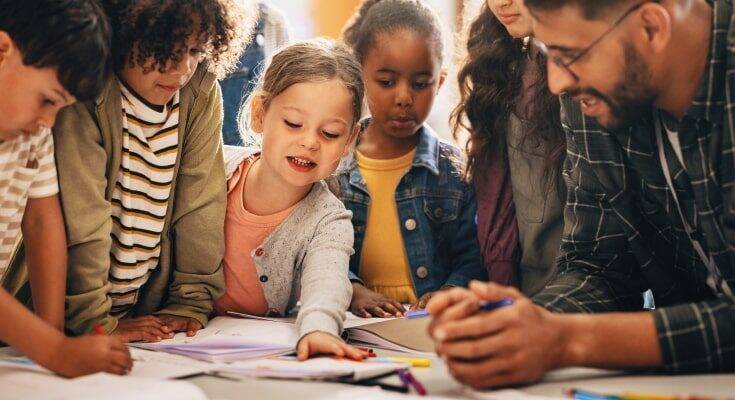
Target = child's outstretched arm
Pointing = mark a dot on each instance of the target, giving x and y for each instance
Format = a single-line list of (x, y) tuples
[(45, 243), (70, 357), (325, 289)]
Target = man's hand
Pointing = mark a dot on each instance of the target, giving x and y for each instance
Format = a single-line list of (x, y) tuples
[(367, 303), (511, 345)]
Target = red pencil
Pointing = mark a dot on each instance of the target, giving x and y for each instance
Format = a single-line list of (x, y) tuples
[(99, 330)]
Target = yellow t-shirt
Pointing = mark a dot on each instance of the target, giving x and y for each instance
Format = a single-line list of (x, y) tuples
[(384, 265)]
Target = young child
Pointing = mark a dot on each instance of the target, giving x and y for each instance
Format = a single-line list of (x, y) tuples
[(413, 213), (287, 237), (142, 175), (41, 44)]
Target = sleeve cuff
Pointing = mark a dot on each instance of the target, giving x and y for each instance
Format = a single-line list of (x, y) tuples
[(319, 321)]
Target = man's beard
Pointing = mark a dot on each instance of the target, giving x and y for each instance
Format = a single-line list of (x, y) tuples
[(632, 97)]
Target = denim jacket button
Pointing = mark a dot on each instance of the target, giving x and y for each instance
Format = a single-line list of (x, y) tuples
[(410, 224), (438, 212), (422, 272)]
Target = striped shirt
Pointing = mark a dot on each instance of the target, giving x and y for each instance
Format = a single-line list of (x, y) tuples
[(141, 194), (27, 170)]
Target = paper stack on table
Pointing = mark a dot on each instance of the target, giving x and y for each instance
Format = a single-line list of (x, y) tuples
[(397, 334), (231, 339), (314, 368)]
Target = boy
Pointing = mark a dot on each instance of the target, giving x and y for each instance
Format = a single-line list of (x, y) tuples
[(141, 169), (39, 74)]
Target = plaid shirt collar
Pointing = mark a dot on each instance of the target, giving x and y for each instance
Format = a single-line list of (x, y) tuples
[(709, 103)]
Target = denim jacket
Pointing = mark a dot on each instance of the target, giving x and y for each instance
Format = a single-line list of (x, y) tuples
[(436, 209)]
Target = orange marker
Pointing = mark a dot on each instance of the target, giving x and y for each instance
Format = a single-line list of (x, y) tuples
[(99, 330)]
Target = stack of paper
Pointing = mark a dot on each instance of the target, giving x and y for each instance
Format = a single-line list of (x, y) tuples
[(231, 339), (397, 334), (314, 368)]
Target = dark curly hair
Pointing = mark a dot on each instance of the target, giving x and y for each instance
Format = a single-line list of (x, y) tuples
[(380, 16), (158, 30), (490, 85), (71, 36)]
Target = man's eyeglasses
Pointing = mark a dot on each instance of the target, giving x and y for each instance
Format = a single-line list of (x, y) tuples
[(559, 60)]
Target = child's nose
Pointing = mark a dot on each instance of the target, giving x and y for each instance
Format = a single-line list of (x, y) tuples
[(404, 96), (310, 141)]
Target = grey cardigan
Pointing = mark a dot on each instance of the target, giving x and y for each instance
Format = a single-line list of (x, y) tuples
[(306, 258)]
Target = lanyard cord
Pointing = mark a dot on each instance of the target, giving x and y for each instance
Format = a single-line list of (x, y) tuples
[(714, 277)]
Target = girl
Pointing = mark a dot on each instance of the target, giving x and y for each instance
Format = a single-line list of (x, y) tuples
[(142, 174), (287, 237), (413, 214), (516, 146)]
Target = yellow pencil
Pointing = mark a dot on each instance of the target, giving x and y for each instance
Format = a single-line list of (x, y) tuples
[(415, 362)]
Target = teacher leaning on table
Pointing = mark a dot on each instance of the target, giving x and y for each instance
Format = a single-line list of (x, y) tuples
[(657, 76)]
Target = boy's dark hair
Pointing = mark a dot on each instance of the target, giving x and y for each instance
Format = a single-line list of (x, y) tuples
[(374, 17), (158, 30), (71, 36), (591, 9)]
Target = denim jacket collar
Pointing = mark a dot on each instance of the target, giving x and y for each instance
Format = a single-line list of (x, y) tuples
[(426, 156)]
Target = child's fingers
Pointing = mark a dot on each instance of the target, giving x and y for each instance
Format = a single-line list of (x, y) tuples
[(192, 327), (390, 308), (122, 360), (379, 312), (399, 306), (302, 351), (337, 348), (354, 353)]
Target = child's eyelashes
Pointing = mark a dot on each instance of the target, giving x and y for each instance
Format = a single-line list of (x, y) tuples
[(330, 135), (418, 85), (292, 125), (421, 85)]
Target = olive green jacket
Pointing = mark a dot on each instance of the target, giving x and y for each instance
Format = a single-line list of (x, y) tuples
[(88, 145)]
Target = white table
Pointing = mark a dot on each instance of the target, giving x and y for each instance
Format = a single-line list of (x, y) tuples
[(438, 382)]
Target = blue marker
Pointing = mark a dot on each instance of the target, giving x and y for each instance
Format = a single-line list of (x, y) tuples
[(484, 306)]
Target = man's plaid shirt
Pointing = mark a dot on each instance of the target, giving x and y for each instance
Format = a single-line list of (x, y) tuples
[(623, 233)]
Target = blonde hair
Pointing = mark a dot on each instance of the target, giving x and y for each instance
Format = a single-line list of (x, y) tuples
[(317, 60)]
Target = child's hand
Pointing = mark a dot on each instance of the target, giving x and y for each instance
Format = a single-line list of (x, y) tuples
[(181, 324), (366, 304), (146, 329), (90, 354), (423, 301), (325, 343)]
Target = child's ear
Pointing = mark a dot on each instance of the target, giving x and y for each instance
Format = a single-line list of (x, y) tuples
[(442, 78), (351, 140), (6, 46), (257, 113)]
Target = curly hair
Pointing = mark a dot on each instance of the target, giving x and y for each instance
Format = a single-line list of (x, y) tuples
[(380, 16), (490, 85), (158, 31)]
